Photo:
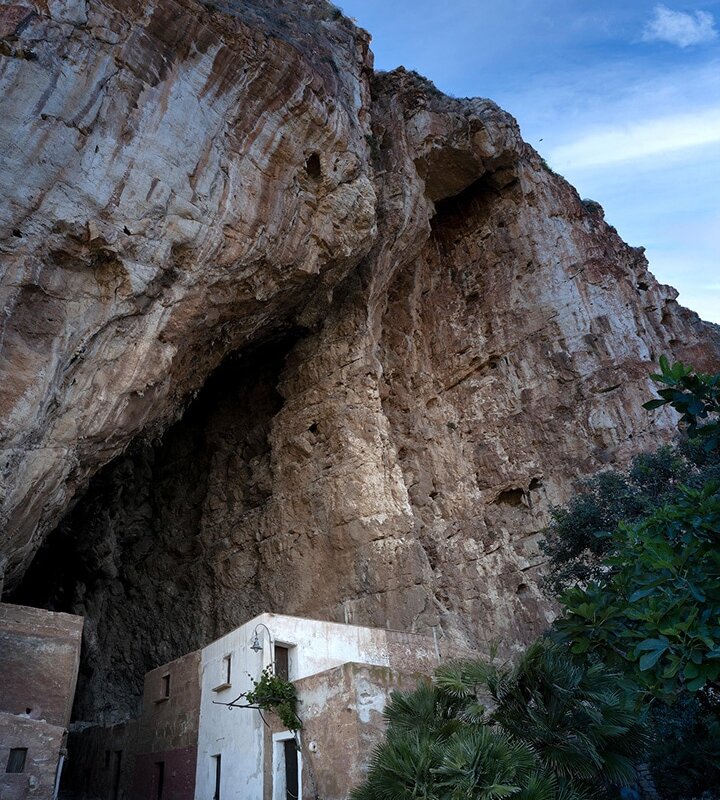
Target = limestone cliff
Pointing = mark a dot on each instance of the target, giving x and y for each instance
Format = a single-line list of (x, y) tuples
[(410, 337)]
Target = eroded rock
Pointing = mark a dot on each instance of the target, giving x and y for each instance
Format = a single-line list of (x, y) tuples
[(433, 336)]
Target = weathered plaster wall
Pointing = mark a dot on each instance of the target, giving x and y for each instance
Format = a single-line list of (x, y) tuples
[(39, 660), (44, 742), (342, 724)]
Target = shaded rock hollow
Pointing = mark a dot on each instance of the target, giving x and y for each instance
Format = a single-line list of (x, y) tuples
[(411, 337)]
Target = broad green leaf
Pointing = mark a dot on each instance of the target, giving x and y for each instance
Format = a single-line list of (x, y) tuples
[(648, 660)]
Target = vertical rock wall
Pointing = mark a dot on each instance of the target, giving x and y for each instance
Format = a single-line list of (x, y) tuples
[(433, 337)]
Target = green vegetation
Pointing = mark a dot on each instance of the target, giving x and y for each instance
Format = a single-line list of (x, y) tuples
[(694, 395), (578, 538), (651, 605), (657, 614), (648, 599), (272, 693), (684, 759), (546, 729)]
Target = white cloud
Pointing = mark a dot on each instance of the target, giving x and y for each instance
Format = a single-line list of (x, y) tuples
[(679, 27), (637, 140)]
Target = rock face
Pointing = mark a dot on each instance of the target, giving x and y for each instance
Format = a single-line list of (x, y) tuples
[(412, 338)]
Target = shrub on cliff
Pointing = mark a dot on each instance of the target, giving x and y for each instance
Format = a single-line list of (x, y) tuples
[(577, 539)]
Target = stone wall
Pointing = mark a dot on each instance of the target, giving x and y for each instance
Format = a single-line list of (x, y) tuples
[(39, 660), (121, 761), (171, 722), (101, 761), (178, 774)]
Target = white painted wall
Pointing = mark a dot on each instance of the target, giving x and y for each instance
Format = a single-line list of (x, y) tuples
[(237, 734)]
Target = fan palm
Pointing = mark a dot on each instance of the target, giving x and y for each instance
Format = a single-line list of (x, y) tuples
[(545, 729)]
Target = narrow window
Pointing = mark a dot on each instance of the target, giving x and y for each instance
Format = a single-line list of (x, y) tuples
[(165, 686), (107, 760), (16, 759), (159, 779), (216, 794), (228, 668), (282, 662)]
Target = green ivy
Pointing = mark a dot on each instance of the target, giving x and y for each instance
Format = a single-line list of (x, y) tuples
[(272, 693)]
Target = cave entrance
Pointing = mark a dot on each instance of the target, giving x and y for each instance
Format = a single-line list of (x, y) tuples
[(148, 553)]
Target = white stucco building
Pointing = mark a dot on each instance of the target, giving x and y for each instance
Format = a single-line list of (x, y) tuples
[(343, 675), (190, 744)]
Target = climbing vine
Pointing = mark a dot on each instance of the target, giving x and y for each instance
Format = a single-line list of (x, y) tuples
[(273, 693)]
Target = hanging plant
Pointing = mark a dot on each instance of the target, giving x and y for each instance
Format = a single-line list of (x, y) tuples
[(272, 693)]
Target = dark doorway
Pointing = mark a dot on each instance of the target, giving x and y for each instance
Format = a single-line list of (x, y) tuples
[(159, 779), (216, 794), (291, 769), (116, 775)]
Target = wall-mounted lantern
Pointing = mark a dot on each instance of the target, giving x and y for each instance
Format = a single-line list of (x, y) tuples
[(256, 643)]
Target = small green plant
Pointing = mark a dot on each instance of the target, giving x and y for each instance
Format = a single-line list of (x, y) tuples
[(273, 693), (592, 205), (544, 164)]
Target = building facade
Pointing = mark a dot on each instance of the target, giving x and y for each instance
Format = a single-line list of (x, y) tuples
[(343, 676), (39, 661), (153, 756), (197, 739)]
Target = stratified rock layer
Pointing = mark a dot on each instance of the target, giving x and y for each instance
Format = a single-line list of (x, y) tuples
[(433, 336)]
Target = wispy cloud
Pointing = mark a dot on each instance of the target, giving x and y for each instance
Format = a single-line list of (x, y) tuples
[(680, 27), (637, 140)]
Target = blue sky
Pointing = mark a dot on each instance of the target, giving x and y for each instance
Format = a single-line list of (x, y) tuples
[(622, 98)]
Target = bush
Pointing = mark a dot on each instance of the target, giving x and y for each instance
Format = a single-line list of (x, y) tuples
[(273, 693), (577, 539), (685, 758), (648, 599), (546, 729), (657, 614)]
